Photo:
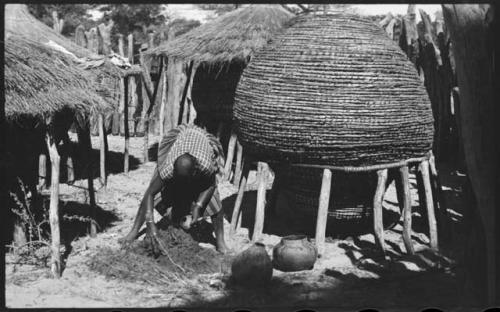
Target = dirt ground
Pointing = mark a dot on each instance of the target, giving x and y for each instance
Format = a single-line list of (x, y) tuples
[(349, 277)]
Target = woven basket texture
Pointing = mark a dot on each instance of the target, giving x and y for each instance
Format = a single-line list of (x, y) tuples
[(351, 194), (333, 90)]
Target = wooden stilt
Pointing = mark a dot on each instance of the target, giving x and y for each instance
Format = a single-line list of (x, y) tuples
[(406, 209), (127, 139), (236, 217), (54, 206), (429, 203), (102, 148), (239, 157), (230, 155), (42, 172), (163, 103), (324, 201), (261, 201), (378, 224), (86, 145)]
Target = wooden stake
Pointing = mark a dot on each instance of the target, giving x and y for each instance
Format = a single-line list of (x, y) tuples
[(42, 171), (378, 222), (130, 51), (161, 118), (182, 104), (236, 217), (120, 45), (239, 157), (230, 156), (429, 203), (85, 142), (406, 209), (127, 139), (70, 170), (54, 206), (102, 149), (261, 201), (322, 218)]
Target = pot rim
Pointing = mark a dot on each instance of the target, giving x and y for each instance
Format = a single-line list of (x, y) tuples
[(294, 237)]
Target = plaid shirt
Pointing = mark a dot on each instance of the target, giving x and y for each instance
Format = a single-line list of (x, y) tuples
[(186, 139)]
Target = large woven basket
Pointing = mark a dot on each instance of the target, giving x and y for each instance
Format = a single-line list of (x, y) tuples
[(333, 90)]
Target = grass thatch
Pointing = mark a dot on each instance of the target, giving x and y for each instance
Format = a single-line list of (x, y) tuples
[(40, 81), (19, 21), (233, 36)]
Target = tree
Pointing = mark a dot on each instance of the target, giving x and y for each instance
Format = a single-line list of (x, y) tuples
[(219, 8), (130, 17), (72, 14)]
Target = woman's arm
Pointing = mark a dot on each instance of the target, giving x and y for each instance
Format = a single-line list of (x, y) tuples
[(203, 199)]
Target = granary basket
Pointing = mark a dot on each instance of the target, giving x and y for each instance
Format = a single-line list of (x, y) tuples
[(333, 90), (351, 194)]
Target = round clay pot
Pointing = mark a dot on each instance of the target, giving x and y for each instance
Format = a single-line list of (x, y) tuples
[(252, 266), (294, 253)]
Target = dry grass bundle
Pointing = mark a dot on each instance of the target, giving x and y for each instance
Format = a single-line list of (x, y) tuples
[(40, 81), (138, 263), (234, 36), (333, 90)]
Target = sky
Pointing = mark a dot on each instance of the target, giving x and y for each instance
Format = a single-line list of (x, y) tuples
[(191, 11)]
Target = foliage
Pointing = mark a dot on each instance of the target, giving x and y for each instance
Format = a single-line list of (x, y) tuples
[(73, 15), (182, 25), (219, 8)]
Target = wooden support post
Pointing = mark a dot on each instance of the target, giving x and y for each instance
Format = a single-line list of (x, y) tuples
[(130, 51), (127, 139), (161, 118), (42, 172), (322, 218), (405, 181), (120, 45), (85, 142), (70, 179), (102, 148), (261, 201), (236, 217), (429, 203), (54, 206), (183, 103), (151, 40), (80, 36), (378, 223), (238, 169), (230, 155)]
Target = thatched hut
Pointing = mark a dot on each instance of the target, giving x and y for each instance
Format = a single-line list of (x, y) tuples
[(45, 92), (218, 51)]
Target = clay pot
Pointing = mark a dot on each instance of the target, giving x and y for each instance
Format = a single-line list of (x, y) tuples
[(252, 266), (294, 253)]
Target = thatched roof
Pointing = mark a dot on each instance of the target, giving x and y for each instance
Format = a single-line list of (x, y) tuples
[(19, 21), (40, 81), (234, 36)]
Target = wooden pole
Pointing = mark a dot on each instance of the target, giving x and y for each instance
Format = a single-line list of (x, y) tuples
[(127, 139), (230, 155), (322, 218), (236, 217), (54, 206), (130, 51), (406, 209), (85, 142), (429, 203), (70, 170), (163, 103), (261, 201), (120, 45), (239, 157), (80, 36), (184, 93), (102, 148), (42, 171), (378, 223)]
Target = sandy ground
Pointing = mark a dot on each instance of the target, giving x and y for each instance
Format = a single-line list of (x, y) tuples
[(350, 275)]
